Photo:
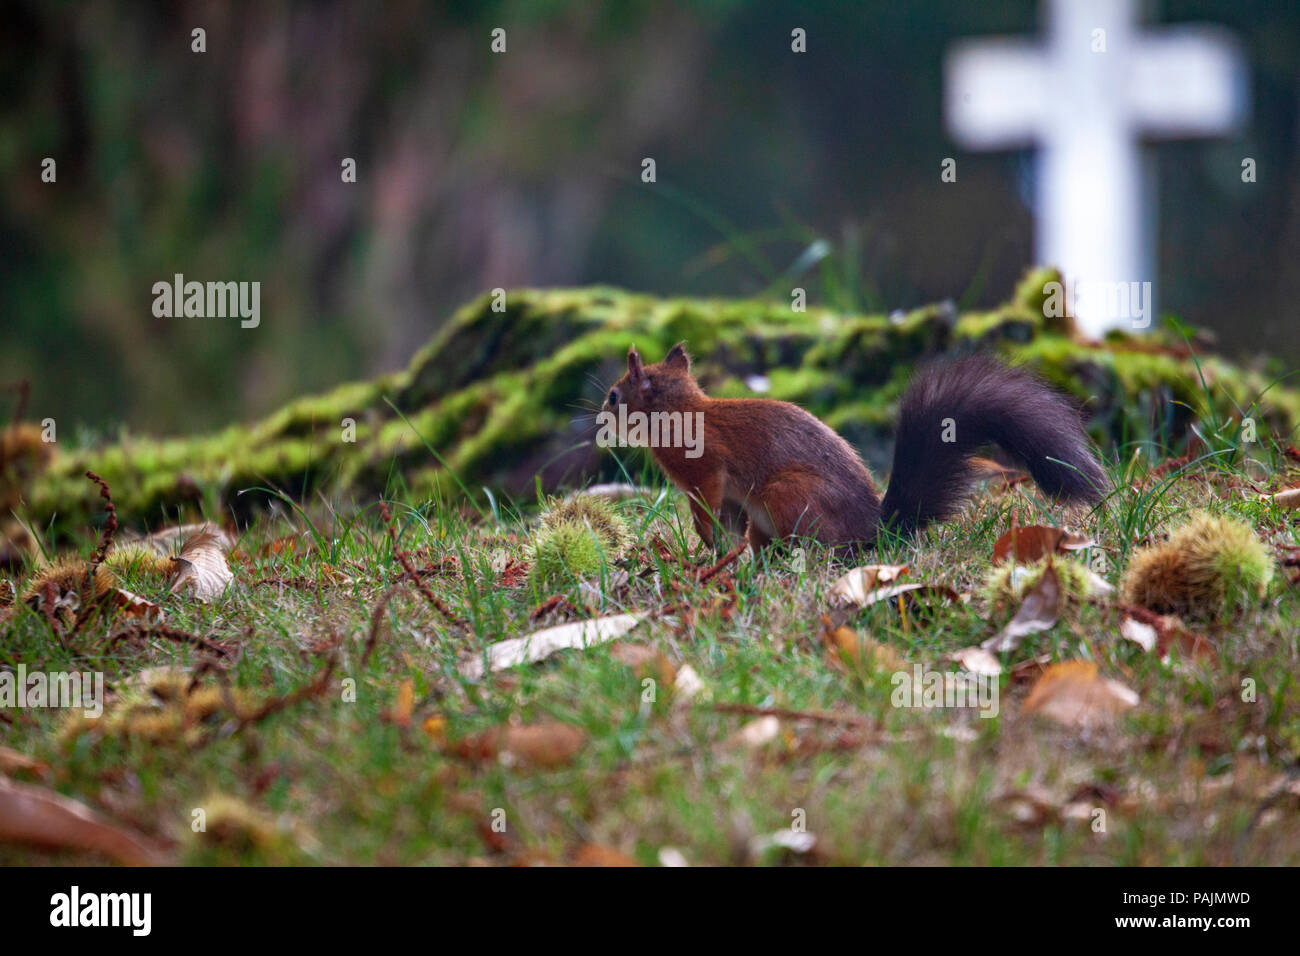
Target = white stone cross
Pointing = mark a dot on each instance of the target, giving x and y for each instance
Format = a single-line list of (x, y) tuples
[(1085, 99)]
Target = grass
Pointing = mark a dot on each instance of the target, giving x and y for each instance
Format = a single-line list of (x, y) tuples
[(1193, 775)]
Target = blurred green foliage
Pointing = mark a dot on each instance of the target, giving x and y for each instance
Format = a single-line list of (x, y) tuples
[(478, 170)]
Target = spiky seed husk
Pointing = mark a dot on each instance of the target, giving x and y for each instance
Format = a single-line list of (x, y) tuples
[(1006, 585), (596, 513), (564, 552), (24, 453), (141, 560), (1210, 567), (576, 538), (67, 584)]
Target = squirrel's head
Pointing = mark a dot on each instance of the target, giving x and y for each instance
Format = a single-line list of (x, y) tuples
[(664, 386)]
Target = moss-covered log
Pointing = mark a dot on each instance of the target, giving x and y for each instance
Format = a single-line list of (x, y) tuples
[(500, 396)]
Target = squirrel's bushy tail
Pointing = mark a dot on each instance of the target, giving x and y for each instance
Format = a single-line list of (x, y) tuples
[(952, 408)]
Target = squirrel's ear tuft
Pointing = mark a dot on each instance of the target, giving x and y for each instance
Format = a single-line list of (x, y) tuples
[(677, 357), (633, 362)]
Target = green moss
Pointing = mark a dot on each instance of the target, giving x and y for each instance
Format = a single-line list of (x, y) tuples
[(496, 395)]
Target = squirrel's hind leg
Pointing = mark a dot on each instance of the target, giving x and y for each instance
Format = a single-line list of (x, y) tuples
[(787, 506)]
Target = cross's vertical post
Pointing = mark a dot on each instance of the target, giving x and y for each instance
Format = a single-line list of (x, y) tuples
[(1086, 99)]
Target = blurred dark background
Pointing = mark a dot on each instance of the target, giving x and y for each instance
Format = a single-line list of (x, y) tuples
[(478, 170)]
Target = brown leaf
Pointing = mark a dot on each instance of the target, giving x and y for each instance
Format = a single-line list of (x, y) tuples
[(1035, 542), (595, 855), (1161, 633), (1075, 694), (1039, 611), (404, 705), (544, 745), (847, 645), (202, 567), (41, 817), (645, 662), (133, 605)]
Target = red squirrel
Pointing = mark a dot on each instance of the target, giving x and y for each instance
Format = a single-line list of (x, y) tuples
[(791, 475)]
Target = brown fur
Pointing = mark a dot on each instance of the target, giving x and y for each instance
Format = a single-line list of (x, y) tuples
[(791, 475)]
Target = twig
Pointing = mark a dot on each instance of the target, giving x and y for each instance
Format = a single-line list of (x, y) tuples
[(376, 618), (405, 560), (314, 689), (555, 602), (821, 716), (110, 525), (105, 542), (727, 559), (169, 633)]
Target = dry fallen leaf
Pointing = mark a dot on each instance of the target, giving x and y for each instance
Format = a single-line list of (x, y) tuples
[(594, 855), (1163, 632), (847, 645), (687, 685), (1288, 498), (404, 705), (544, 643), (1075, 694), (133, 605), (853, 587), (544, 745), (1143, 635), (978, 661), (755, 734), (1038, 612), (1035, 542), (202, 567), (646, 662), (36, 815)]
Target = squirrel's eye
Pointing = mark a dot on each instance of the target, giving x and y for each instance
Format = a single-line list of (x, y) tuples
[(613, 396)]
